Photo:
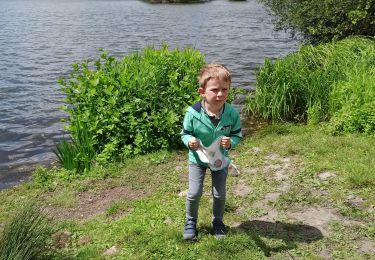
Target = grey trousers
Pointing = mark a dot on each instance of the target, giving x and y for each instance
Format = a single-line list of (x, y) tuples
[(196, 178)]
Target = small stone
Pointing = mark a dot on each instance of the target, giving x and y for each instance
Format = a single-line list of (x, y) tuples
[(256, 149), (183, 193), (168, 221), (326, 175), (355, 200), (111, 251)]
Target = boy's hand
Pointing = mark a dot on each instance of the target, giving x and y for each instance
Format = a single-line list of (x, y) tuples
[(225, 142), (194, 143)]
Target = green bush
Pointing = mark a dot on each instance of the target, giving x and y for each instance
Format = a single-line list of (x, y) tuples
[(354, 103), (324, 20), (319, 83), (134, 105)]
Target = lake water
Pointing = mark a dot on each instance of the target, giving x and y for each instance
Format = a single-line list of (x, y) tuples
[(40, 39)]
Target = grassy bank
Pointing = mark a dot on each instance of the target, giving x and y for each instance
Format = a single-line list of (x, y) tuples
[(331, 82), (300, 193)]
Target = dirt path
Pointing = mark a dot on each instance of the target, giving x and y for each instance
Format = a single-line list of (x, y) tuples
[(307, 223)]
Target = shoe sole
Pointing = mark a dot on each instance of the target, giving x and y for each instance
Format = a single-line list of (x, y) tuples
[(190, 238), (218, 237)]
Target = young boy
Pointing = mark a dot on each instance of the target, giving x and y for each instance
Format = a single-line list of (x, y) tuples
[(205, 122)]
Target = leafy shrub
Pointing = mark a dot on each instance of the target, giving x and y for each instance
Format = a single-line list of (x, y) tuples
[(134, 105), (26, 235), (318, 83), (354, 103), (324, 20)]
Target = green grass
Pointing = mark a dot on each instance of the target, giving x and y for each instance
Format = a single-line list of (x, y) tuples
[(149, 226), (25, 234), (317, 83)]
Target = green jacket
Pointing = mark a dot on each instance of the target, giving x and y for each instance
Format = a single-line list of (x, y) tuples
[(198, 124)]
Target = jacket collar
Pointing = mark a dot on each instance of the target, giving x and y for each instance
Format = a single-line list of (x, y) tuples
[(198, 112), (198, 106)]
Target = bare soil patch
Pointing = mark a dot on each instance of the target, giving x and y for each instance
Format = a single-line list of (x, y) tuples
[(366, 246), (281, 168), (241, 189), (318, 217), (92, 203)]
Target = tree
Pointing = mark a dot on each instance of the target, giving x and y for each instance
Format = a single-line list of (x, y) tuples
[(323, 20)]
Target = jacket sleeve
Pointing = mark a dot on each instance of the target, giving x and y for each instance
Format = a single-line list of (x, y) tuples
[(236, 132), (187, 130)]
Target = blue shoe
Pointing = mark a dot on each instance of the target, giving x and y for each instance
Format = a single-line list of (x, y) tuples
[(219, 229), (190, 231)]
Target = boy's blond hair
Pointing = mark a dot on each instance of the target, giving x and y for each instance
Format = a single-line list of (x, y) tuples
[(213, 70)]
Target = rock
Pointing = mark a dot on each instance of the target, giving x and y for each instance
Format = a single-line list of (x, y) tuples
[(255, 149), (111, 251), (355, 200), (326, 175), (183, 193), (168, 221)]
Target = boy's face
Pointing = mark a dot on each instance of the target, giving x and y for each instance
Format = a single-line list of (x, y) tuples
[(216, 92)]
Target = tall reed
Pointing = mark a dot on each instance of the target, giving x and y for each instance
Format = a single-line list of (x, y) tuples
[(26, 234), (298, 87), (78, 154)]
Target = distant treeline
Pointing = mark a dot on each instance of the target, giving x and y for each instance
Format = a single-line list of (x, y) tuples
[(176, 1), (324, 20)]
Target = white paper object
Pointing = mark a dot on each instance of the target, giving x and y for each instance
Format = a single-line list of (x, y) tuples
[(213, 155)]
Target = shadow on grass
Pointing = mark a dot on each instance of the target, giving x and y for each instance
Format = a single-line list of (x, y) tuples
[(290, 234)]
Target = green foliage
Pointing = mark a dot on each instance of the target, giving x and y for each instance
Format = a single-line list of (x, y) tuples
[(324, 20), (354, 101), (26, 235), (43, 177), (176, 1), (50, 179), (318, 83), (134, 105), (79, 154)]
